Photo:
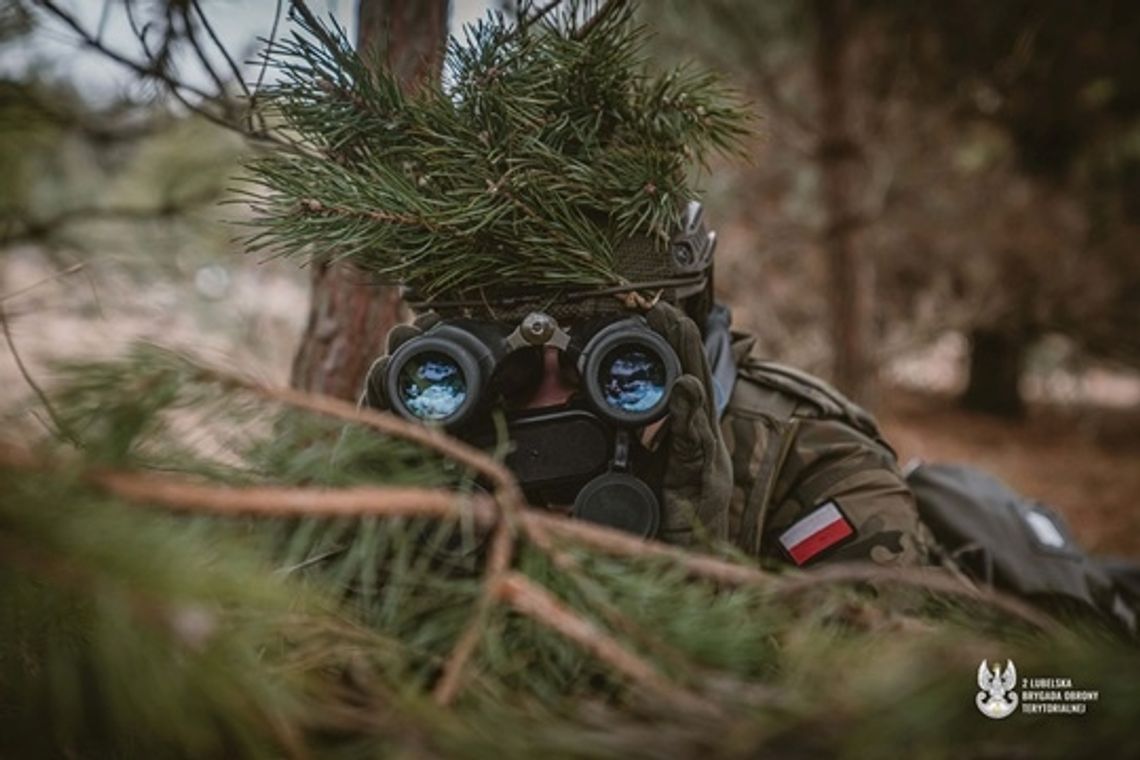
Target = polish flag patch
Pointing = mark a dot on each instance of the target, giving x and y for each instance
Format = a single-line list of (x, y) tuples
[(820, 529)]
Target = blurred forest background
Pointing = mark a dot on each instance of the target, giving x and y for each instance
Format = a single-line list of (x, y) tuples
[(941, 212)]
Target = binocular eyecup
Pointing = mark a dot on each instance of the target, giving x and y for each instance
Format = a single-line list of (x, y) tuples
[(439, 377), (446, 374), (619, 500)]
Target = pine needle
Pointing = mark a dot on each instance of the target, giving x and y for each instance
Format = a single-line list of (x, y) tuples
[(549, 146)]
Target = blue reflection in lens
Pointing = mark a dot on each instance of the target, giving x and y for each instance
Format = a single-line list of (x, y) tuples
[(632, 379), (432, 386)]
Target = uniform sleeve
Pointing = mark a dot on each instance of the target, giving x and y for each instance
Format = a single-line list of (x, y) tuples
[(839, 497), (813, 491)]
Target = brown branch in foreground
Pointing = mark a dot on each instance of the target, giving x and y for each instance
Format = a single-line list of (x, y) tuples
[(263, 501), (506, 489), (508, 497), (540, 605), (183, 495), (498, 563), (924, 578), (726, 573), (614, 542), (279, 501), (598, 600), (437, 503)]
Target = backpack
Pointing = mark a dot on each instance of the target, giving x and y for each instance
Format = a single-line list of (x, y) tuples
[(1006, 541)]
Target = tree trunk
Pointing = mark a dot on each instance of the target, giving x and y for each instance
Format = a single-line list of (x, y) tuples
[(348, 316), (995, 373), (851, 275)]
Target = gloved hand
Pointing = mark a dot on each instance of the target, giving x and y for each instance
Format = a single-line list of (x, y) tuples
[(697, 487), (374, 395)]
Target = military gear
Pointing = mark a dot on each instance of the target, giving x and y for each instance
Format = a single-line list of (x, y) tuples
[(802, 454), (787, 449), (718, 350), (375, 394), (452, 372), (697, 484), (672, 271), (1008, 542)]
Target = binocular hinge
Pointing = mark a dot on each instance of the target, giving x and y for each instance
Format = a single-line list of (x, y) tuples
[(621, 451), (538, 329)]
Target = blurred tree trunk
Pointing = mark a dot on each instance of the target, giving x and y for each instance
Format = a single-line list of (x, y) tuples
[(996, 358), (852, 276), (348, 316)]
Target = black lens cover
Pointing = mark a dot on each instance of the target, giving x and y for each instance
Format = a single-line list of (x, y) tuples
[(619, 500)]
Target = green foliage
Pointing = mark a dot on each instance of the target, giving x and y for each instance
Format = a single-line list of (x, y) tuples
[(25, 134), (158, 409), (131, 633), (548, 146), (136, 635)]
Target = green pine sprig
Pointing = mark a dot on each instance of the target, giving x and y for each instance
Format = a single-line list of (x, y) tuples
[(549, 144)]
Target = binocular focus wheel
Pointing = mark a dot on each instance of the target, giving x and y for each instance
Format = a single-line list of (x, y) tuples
[(619, 501)]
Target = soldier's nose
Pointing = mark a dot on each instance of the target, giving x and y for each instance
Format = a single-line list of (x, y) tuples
[(553, 389)]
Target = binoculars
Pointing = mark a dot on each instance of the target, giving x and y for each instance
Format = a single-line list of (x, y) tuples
[(455, 372)]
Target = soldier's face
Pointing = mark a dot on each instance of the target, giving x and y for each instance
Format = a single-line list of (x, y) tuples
[(554, 388)]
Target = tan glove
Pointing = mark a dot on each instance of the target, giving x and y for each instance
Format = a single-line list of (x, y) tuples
[(697, 487)]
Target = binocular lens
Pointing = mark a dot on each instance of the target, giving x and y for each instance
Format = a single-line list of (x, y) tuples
[(632, 379), (432, 386)]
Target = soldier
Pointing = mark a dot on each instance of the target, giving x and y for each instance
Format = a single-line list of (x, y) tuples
[(732, 447), (537, 205), (567, 315)]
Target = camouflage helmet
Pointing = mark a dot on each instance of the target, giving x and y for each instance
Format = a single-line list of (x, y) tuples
[(675, 272)]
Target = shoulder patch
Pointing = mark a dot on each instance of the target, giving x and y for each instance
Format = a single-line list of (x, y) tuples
[(822, 528)]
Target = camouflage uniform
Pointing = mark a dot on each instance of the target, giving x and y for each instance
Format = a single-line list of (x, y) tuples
[(797, 446)]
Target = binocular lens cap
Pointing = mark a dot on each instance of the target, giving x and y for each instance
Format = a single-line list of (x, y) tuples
[(619, 501)]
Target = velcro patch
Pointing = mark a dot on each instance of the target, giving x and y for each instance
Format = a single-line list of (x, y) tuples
[(822, 528), (1047, 533)]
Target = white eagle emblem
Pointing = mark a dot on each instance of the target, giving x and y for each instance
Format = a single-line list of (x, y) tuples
[(997, 699)]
